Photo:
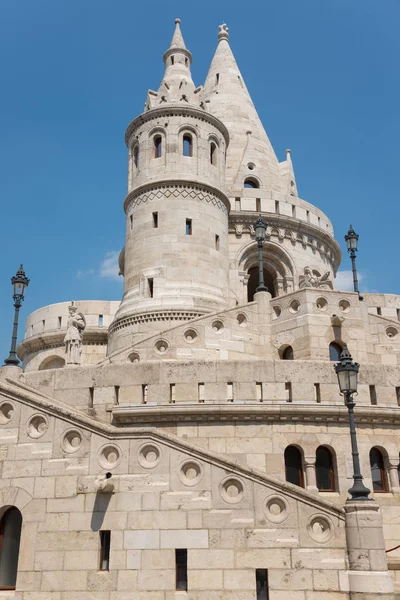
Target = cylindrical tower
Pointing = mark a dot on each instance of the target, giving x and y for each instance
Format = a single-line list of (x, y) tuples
[(175, 260)]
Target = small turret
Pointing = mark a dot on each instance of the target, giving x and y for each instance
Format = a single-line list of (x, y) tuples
[(287, 172)]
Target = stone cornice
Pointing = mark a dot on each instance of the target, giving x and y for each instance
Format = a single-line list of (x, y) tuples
[(290, 228), (176, 184), (55, 339), (185, 111), (260, 412), (17, 391)]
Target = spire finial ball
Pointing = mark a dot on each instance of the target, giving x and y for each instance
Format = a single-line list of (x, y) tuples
[(223, 33), (177, 21)]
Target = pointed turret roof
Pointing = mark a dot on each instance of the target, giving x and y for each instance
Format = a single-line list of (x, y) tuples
[(228, 99), (177, 86)]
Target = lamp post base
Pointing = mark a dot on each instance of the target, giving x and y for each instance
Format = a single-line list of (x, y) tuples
[(12, 360)]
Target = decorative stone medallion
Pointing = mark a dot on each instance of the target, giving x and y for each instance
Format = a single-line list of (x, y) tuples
[(190, 473), (149, 456), (6, 412), (276, 509), (231, 490), (392, 332), (161, 346), (37, 426), (190, 336), (134, 357), (71, 441), (217, 326), (242, 320), (109, 456), (344, 305), (320, 529)]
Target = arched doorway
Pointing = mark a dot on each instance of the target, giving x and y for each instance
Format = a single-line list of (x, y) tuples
[(252, 283)]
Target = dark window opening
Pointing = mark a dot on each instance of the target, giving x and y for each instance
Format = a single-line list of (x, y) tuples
[(334, 351), (10, 536), (262, 584), (59, 321), (91, 397), (217, 79), (258, 205), (188, 226), (105, 539), (172, 60), (251, 183), (187, 145), (288, 353), (294, 466), (237, 203), (217, 242), (131, 221), (277, 207), (157, 146), (100, 322), (213, 154), (186, 62), (136, 157), (288, 391), (398, 395), (293, 211), (252, 283), (372, 395), (150, 282), (181, 569), (155, 220), (378, 472), (317, 392), (144, 393), (172, 393), (324, 470), (116, 394), (379, 311)]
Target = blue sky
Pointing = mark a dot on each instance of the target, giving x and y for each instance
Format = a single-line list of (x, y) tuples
[(323, 75)]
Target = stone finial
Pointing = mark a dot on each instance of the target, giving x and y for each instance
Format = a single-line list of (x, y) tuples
[(223, 33)]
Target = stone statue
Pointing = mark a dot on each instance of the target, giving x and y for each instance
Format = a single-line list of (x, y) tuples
[(73, 338), (311, 280)]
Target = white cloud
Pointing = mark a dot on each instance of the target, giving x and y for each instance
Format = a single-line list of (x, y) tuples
[(344, 280), (87, 273), (109, 266)]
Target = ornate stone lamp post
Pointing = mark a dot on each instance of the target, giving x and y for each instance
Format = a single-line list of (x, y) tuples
[(352, 246), (347, 374), (20, 282), (260, 228)]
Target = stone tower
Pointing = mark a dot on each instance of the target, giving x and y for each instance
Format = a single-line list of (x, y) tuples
[(175, 260)]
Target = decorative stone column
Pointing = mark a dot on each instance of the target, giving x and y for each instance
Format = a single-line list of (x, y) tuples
[(309, 466), (393, 463), (368, 575)]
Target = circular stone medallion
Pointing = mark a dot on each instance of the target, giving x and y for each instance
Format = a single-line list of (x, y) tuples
[(149, 456), (6, 413), (231, 490), (190, 473), (276, 509), (319, 528), (71, 441), (37, 426), (109, 456)]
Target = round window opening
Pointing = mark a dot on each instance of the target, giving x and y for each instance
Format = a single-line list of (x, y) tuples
[(161, 346), (392, 333), (251, 166), (344, 305), (242, 320), (276, 311), (321, 303), (217, 326), (294, 306), (190, 336), (134, 357)]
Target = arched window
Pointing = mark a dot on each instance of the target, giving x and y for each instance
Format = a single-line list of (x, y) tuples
[(187, 145), (136, 156), (251, 183), (287, 353), (213, 153), (324, 470), (10, 535), (294, 466), (334, 351), (378, 472), (157, 146)]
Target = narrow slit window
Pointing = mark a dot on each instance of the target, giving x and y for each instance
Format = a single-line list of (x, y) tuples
[(187, 145), (105, 540), (372, 395), (100, 321), (172, 60), (317, 392), (293, 211), (116, 394), (144, 393), (259, 392), (217, 242), (10, 535), (172, 393), (262, 584), (217, 79), (277, 207), (398, 314), (186, 62), (213, 154), (131, 221), (379, 311), (229, 392), (59, 322), (43, 324), (188, 226), (398, 395), (319, 221), (308, 215), (240, 80), (288, 391), (258, 205), (136, 157), (237, 203), (181, 569), (155, 220), (150, 282), (91, 397), (157, 146), (200, 392)]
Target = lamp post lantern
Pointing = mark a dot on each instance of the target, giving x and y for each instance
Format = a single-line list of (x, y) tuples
[(20, 283), (347, 374), (260, 228), (352, 246)]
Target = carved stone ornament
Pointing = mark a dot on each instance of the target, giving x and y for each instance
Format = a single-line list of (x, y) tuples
[(311, 279), (73, 338)]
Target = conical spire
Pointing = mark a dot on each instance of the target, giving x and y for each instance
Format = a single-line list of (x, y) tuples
[(177, 86), (228, 99), (287, 172)]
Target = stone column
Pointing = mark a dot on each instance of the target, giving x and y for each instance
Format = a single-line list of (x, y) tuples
[(368, 575), (393, 463), (311, 481)]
